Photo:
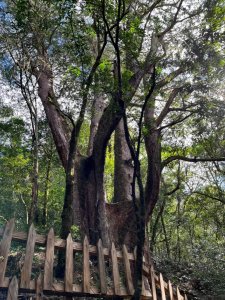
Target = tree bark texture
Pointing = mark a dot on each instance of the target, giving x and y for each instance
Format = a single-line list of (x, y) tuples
[(153, 149), (123, 170), (98, 107), (56, 120)]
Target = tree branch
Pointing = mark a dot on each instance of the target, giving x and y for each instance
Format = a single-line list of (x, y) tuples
[(166, 108), (174, 21), (190, 159), (210, 196), (175, 122), (170, 77), (177, 187)]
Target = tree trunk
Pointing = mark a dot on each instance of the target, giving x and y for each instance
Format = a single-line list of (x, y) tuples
[(123, 170), (56, 120), (98, 107), (33, 215), (153, 148)]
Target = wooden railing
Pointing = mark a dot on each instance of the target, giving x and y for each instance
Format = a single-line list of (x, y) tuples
[(122, 264)]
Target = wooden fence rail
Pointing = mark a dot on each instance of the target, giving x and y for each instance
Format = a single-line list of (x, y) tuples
[(153, 285)]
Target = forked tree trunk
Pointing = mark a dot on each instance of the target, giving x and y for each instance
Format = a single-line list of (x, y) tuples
[(111, 222)]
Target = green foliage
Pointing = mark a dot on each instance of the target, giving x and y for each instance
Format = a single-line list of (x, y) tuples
[(16, 173), (105, 65), (75, 71), (76, 234), (194, 223), (109, 171), (217, 15), (84, 138)]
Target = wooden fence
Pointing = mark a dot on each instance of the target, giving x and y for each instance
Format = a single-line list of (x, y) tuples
[(122, 262)]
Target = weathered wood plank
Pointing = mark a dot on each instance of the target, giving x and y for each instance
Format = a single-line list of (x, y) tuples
[(162, 287), (69, 265), (13, 289), (39, 287), (6, 282), (27, 266), (129, 281), (5, 247), (179, 297), (49, 261), (145, 288), (101, 267), (86, 266), (115, 269), (153, 285), (170, 288)]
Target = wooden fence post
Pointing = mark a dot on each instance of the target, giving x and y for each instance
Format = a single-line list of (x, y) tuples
[(13, 289), (5, 247), (49, 261), (153, 285), (39, 287), (115, 270), (170, 290), (129, 281), (27, 266), (86, 266), (178, 294), (69, 265), (101, 267), (162, 287)]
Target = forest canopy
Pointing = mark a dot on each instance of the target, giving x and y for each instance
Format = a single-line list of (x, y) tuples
[(112, 126)]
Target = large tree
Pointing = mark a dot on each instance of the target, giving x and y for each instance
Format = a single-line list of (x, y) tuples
[(136, 68)]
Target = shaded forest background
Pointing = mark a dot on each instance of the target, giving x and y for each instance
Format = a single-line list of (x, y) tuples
[(162, 58)]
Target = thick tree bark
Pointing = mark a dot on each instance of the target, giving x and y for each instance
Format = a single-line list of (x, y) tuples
[(56, 120), (87, 197), (60, 131), (67, 213), (98, 107), (122, 223), (110, 119), (123, 169), (153, 148)]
